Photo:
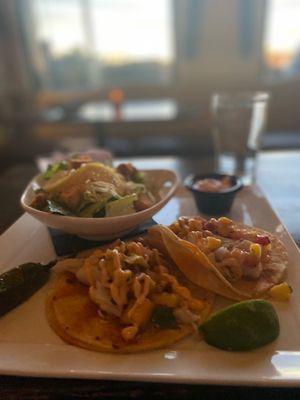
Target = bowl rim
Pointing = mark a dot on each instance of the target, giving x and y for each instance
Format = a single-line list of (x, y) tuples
[(190, 180), (92, 220)]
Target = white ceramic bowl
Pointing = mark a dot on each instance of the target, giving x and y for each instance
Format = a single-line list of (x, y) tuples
[(163, 183)]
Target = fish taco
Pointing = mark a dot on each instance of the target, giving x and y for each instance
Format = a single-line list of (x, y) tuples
[(123, 298), (231, 259)]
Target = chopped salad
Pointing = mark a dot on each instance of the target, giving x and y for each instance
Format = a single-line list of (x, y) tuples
[(84, 188)]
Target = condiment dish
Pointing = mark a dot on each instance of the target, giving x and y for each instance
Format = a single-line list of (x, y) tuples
[(214, 203)]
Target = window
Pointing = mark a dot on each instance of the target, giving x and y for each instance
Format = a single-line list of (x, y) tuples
[(85, 44), (282, 39)]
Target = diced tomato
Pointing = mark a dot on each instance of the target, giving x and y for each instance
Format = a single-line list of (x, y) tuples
[(262, 239)]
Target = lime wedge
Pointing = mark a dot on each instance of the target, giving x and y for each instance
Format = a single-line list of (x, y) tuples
[(246, 325)]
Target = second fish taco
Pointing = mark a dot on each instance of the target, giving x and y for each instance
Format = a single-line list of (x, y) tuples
[(231, 259)]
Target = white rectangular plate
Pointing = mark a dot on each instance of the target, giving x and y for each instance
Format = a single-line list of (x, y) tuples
[(28, 347)]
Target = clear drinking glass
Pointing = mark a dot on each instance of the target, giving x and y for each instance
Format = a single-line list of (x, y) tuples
[(238, 124)]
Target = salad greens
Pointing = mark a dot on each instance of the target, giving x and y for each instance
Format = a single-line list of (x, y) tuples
[(93, 208), (54, 168), (122, 206), (56, 208), (138, 177), (92, 190)]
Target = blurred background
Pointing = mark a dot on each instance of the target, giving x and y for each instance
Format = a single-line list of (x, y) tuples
[(136, 76)]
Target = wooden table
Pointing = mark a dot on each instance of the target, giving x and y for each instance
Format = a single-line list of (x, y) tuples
[(278, 174)]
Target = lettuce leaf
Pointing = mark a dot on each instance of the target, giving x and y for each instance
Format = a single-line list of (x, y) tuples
[(56, 208), (93, 209), (123, 206), (54, 168), (138, 177)]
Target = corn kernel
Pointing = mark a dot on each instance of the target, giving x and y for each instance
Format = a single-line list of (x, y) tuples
[(255, 250), (166, 299), (213, 243), (281, 292), (225, 220), (268, 247), (129, 332)]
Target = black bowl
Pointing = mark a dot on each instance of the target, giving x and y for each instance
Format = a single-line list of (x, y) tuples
[(214, 203)]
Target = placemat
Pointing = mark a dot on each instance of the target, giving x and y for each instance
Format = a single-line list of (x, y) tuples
[(67, 244)]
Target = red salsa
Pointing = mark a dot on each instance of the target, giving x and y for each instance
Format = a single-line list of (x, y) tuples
[(213, 185)]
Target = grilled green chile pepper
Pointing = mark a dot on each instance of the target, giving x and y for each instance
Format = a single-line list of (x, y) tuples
[(20, 283)]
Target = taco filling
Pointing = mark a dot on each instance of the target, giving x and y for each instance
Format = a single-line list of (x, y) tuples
[(240, 260), (123, 298)]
